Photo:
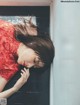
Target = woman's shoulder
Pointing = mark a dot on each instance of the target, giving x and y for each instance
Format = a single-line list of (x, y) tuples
[(7, 39), (5, 23), (6, 26), (6, 30)]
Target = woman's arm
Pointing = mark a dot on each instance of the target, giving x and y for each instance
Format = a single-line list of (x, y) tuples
[(20, 82), (3, 82)]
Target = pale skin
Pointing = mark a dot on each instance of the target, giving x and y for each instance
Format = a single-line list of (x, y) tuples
[(20, 82), (26, 57)]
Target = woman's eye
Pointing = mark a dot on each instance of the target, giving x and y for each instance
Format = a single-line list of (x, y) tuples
[(36, 61)]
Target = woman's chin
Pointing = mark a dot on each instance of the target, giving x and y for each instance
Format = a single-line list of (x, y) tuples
[(19, 62)]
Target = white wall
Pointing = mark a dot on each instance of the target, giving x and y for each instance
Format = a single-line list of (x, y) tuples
[(65, 32)]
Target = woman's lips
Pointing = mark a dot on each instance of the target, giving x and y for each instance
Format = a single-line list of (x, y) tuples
[(21, 63), (24, 64)]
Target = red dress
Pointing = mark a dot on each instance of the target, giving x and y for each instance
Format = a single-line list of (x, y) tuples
[(8, 50)]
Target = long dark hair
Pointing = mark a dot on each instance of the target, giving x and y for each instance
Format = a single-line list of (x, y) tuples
[(41, 44)]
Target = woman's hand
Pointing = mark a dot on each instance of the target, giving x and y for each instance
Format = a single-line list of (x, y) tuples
[(31, 28), (32, 31), (22, 80)]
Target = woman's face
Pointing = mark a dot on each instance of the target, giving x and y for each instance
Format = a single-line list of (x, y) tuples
[(27, 57)]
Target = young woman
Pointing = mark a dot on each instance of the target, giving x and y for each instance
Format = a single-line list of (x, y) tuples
[(21, 44)]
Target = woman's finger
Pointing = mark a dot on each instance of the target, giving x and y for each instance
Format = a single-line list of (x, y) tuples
[(21, 74), (26, 69), (22, 71), (25, 73)]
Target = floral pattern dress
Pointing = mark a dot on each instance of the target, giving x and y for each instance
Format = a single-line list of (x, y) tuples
[(8, 50)]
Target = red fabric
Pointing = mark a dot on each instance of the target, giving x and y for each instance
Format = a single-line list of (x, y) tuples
[(8, 50)]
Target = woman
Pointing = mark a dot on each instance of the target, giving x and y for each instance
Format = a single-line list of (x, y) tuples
[(20, 45)]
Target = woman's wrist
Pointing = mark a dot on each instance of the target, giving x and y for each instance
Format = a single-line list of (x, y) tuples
[(17, 86), (14, 89)]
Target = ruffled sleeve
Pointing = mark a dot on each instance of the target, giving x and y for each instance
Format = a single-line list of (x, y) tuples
[(8, 49)]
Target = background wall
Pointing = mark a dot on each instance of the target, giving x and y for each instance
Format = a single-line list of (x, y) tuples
[(65, 32)]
